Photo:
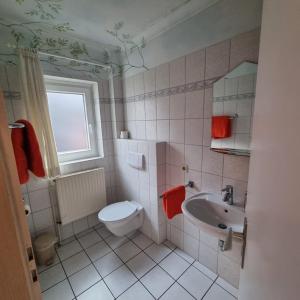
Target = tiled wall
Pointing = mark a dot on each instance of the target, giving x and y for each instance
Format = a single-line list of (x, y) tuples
[(145, 185), (173, 103), (37, 192)]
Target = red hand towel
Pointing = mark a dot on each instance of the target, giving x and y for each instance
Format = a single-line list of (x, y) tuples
[(172, 200), (27, 152), (220, 127)]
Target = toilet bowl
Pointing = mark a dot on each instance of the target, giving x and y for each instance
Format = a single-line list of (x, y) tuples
[(122, 218)]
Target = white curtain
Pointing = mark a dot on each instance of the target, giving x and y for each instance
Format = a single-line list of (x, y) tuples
[(36, 104)]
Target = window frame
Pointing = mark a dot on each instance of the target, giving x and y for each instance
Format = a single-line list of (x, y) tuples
[(90, 91)]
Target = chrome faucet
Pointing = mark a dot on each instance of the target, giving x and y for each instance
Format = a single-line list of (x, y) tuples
[(228, 196)]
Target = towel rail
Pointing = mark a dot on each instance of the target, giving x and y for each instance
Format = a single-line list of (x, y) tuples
[(15, 125), (189, 184)]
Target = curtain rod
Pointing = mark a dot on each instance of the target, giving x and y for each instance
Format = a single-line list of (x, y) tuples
[(73, 59)]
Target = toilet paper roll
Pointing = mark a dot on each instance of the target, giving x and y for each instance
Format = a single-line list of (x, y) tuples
[(27, 209)]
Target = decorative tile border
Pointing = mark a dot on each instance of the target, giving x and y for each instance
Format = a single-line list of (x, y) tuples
[(11, 95), (188, 87), (234, 97)]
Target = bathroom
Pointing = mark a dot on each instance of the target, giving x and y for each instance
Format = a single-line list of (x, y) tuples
[(142, 153)]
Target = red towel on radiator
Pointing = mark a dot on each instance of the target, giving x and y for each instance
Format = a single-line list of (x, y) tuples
[(172, 200), (221, 127), (27, 152)]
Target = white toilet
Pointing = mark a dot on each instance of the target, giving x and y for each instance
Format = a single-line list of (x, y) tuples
[(121, 218)]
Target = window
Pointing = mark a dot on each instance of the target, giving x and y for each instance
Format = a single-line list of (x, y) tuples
[(71, 108)]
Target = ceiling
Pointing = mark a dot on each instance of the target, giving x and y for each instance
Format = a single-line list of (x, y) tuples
[(91, 18)]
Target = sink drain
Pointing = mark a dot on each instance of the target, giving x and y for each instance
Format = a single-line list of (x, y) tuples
[(222, 226)]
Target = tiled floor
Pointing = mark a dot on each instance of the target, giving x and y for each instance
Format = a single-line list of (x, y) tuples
[(98, 265)]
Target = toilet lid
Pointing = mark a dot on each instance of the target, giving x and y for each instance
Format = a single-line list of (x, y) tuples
[(117, 211)]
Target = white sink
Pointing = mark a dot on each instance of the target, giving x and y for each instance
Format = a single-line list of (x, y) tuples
[(208, 211)]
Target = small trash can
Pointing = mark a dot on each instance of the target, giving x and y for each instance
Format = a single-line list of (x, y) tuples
[(44, 248)]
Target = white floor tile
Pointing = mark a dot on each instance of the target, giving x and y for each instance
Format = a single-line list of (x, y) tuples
[(157, 281), (174, 265), (228, 287), (205, 270), (195, 282), (120, 280), (108, 263), (140, 264), (67, 240), (176, 292), (84, 279), (127, 251), (217, 293), (169, 245), (85, 232), (99, 291), (76, 263), (52, 276), (184, 255), (157, 252), (58, 292), (142, 241), (104, 232), (68, 250), (98, 250), (115, 241), (89, 239), (136, 292)]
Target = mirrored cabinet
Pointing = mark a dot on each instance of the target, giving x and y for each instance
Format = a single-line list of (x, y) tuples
[(233, 103)]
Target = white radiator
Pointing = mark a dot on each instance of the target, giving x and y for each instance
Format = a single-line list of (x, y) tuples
[(80, 194)]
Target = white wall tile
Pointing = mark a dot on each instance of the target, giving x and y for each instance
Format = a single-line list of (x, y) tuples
[(177, 106), (236, 167), (151, 130), (140, 130), (193, 157), (177, 131), (163, 107), (162, 76), (193, 131), (212, 162), (190, 245), (140, 110), (163, 130), (208, 257), (150, 108), (177, 72), (195, 66), (228, 270), (211, 183), (39, 200), (176, 154), (149, 80), (176, 237), (42, 219), (190, 229), (194, 104)]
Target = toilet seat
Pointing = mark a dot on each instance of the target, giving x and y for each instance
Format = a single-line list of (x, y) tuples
[(118, 211)]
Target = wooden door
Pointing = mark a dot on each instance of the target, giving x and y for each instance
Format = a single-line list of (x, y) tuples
[(18, 274)]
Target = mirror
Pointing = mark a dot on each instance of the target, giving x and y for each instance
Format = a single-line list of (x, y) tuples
[(233, 102)]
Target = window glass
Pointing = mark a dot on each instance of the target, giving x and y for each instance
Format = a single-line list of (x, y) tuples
[(69, 121)]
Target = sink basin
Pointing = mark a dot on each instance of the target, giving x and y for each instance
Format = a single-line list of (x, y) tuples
[(208, 211)]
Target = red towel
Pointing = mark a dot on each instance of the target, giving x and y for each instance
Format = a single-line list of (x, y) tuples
[(27, 152), (221, 127), (172, 200)]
